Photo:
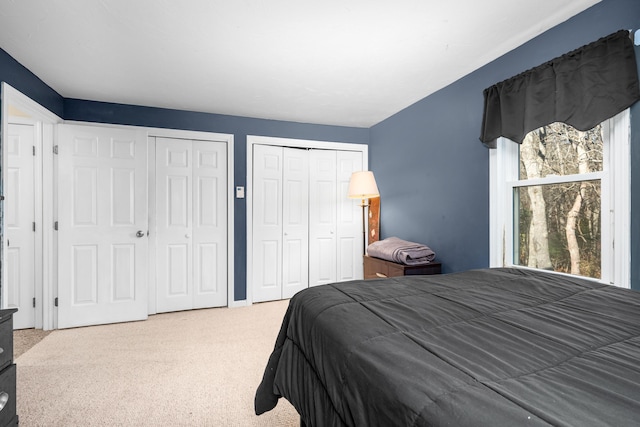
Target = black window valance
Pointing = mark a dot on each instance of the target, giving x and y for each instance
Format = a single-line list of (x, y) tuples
[(581, 88)]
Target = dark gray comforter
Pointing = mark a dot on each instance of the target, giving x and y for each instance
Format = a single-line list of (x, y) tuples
[(495, 347)]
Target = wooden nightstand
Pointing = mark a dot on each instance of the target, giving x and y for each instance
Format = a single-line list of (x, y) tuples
[(375, 268)]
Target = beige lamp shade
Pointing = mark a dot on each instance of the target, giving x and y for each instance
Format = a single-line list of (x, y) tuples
[(363, 186)]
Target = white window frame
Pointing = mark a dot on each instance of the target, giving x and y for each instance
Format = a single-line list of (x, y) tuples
[(616, 201)]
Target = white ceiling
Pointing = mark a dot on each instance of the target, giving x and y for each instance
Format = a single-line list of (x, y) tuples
[(339, 62)]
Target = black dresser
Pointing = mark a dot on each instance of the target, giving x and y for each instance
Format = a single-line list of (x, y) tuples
[(8, 416)]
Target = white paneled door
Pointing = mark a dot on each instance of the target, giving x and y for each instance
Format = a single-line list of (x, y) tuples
[(267, 223), (335, 221), (191, 217), (323, 216), (280, 222), (20, 223), (350, 264), (102, 225), (295, 221)]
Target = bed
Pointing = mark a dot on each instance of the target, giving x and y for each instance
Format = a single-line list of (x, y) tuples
[(498, 347)]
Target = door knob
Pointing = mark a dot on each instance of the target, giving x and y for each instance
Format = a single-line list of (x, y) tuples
[(140, 233), (187, 235)]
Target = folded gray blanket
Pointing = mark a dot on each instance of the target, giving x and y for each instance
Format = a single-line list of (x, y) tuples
[(401, 251)]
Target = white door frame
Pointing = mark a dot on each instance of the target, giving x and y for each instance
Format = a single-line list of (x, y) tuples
[(14, 103), (154, 133), (282, 142)]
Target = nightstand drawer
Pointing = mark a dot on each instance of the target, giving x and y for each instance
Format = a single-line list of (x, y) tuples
[(8, 396), (376, 268), (6, 340)]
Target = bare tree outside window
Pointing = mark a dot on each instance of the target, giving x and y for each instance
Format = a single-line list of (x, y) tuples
[(559, 224)]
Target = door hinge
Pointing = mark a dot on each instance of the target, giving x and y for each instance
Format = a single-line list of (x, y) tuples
[(34, 150), (34, 303), (55, 225), (34, 226), (55, 149), (55, 301)]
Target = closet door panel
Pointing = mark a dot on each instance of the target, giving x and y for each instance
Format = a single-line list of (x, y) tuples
[(322, 216), (295, 222), (350, 236), (174, 226), (209, 237), (267, 223)]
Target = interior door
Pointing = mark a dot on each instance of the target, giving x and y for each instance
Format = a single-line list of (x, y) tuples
[(102, 225), (191, 211), (20, 222)]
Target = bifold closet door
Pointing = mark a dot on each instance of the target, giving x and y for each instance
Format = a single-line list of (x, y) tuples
[(295, 222), (349, 256), (335, 221), (280, 222), (191, 224)]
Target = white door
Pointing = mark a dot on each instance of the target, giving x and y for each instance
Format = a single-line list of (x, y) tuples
[(322, 217), (335, 224), (191, 212), (295, 221), (102, 225), (19, 210), (267, 222), (280, 222), (349, 256)]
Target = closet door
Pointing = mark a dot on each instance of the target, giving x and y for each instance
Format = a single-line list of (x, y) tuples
[(349, 256), (335, 221), (322, 217), (174, 225), (280, 222), (209, 235), (295, 222), (267, 222), (191, 224)]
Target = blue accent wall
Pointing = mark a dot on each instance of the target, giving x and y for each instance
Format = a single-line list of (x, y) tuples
[(432, 170), (430, 166), (20, 78)]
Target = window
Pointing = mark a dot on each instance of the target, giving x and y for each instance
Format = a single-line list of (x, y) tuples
[(560, 201)]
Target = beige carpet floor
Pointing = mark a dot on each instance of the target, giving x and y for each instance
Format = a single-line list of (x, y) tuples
[(192, 368), (24, 339)]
